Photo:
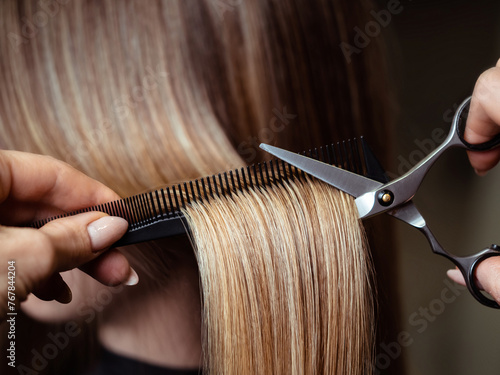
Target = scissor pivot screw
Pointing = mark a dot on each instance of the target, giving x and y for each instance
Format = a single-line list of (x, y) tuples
[(385, 198)]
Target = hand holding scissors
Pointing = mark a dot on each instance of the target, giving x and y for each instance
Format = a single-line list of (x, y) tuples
[(483, 123), (395, 197)]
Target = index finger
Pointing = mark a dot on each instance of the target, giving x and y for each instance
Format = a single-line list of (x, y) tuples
[(33, 185)]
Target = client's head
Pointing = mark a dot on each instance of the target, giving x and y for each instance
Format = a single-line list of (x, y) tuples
[(140, 95)]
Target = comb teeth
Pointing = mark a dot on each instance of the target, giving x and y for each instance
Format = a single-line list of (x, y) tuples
[(345, 155), (166, 203)]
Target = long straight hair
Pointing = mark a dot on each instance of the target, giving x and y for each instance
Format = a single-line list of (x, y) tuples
[(286, 282), (142, 95), (139, 96)]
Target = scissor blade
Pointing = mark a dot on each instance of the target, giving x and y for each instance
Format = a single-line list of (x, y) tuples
[(349, 182)]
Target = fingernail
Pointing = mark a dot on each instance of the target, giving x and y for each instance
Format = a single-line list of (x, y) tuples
[(106, 231), (480, 173), (65, 296), (133, 278)]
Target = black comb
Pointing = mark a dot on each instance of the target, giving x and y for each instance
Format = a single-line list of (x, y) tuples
[(157, 214)]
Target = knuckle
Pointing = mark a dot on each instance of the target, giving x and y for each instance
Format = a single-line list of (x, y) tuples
[(483, 81), (50, 158), (59, 165), (487, 84), (68, 237), (492, 278)]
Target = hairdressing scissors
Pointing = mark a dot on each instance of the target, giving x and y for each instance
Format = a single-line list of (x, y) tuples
[(395, 197)]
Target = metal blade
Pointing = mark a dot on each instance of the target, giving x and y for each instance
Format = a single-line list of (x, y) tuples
[(349, 182)]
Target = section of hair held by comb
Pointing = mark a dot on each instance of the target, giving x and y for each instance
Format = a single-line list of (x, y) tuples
[(285, 278)]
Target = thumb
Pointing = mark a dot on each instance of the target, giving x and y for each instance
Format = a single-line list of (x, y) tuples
[(76, 240), (58, 246)]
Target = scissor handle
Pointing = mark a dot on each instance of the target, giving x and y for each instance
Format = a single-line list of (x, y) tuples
[(459, 122), (468, 266), (409, 213)]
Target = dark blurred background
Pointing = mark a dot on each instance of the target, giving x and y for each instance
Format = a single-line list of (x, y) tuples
[(437, 51)]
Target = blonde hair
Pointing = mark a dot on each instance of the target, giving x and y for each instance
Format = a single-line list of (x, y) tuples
[(286, 282), (141, 96)]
